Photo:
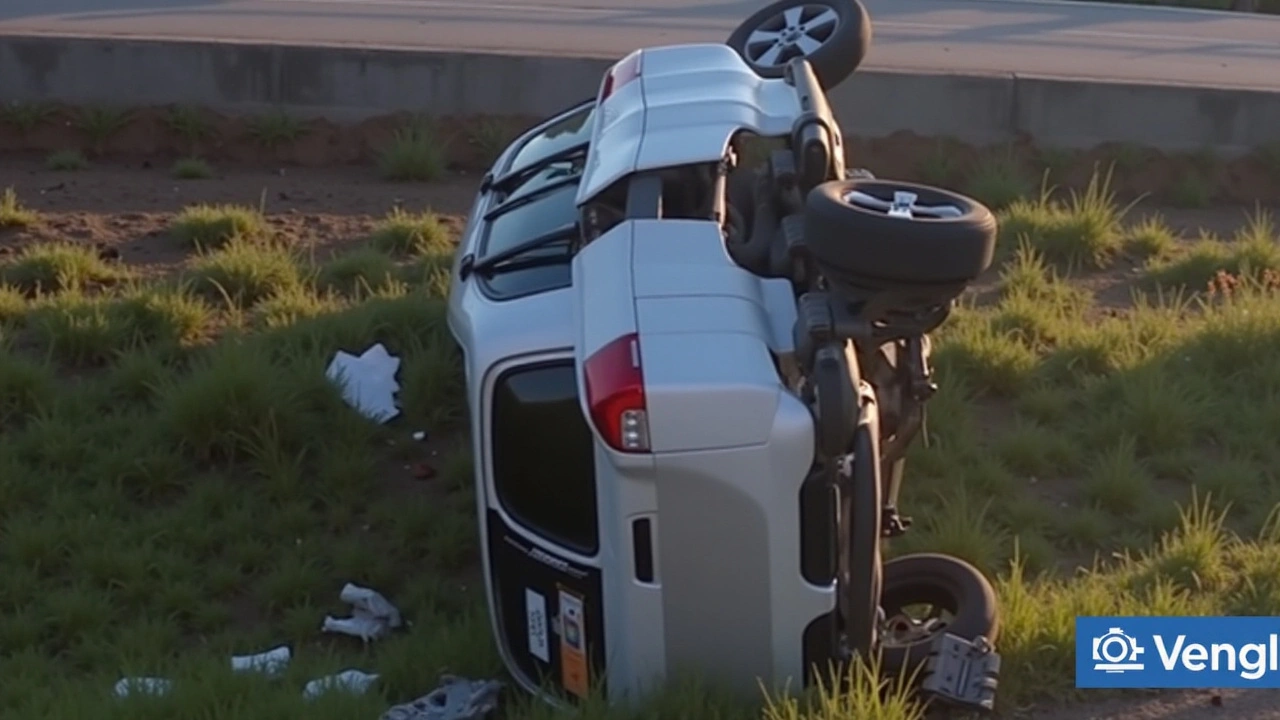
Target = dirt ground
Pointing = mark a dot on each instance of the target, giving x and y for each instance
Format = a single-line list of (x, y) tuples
[(1174, 705), (126, 206)]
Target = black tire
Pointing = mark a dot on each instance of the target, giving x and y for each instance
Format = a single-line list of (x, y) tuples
[(839, 55), (851, 243), (942, 581), (861, 568)]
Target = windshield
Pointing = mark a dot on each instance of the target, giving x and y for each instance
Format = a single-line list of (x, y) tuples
[(574, 129)]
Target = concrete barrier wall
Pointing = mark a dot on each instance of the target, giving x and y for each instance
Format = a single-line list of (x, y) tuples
[(350, 83)]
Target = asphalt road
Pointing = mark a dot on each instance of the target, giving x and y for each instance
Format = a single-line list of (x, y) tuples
[(1063, 39)]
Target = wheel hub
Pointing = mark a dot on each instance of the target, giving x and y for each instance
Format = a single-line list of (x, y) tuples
[(798, 32)]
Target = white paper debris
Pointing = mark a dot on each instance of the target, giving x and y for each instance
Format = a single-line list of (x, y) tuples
[(368, 381), (271, 662), (352, 681), (372, 615), (143, 686), (419, 436)]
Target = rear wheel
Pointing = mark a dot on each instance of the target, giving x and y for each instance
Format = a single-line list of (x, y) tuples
[(897, 232), (833, 35), (927, 594)]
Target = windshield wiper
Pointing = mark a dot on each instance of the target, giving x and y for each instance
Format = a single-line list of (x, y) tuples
[(488, 263), (529, 197), (519, 175)]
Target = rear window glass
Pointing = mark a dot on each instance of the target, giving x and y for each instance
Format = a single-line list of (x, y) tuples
[(544, 455), (572, 130)]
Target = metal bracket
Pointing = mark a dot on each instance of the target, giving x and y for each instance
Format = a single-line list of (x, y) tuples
[(962, 672)]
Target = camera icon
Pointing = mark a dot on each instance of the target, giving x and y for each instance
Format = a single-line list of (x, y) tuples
[(1116, 652)]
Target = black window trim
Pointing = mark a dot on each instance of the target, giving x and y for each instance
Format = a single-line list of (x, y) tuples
[(540, 195), (497, 370), (484, 282)]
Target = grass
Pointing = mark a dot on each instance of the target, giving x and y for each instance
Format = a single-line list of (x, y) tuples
[(998, 179), (1084, 231), (25, 117), (13, 214), (416, 154), (1253, 252), (212, 226), (191, 125), (402, 232), (51, 267), (180, 483), (66, 161), (100, 123), (191, 168), (275, 129)]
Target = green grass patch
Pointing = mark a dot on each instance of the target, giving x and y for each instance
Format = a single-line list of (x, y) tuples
[(213, 226), (1252, 253), (359, 271), (1084, 231), (191, 168), (416, 153), (998, 180), (409, 233), (13, 214), (52, 267), (66, 161), (243, 273)]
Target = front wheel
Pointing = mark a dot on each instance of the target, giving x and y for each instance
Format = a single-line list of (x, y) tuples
[(927, 594), (832, 35)]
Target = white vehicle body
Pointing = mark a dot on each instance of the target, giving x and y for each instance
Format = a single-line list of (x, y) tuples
[(679, 578), (684, 106)]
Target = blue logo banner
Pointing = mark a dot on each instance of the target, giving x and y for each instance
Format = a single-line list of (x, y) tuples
[(1178, 652)]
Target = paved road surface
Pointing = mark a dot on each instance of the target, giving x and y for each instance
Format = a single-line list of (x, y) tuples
[(1043, 38)]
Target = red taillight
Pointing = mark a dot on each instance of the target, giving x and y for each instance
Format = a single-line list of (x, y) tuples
[(615, 394), (626, 70)]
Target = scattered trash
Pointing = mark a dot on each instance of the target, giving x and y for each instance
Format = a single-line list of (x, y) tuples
[(456, 698), (352, 681), (423, 471), (420, 436), (143, 686), (271, 662), (371, 617), (368, 381)]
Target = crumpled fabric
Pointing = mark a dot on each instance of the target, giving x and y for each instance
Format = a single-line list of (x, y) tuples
[(456, 698), (372, 615)]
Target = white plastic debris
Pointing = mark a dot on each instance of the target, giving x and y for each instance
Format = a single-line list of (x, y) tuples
[(419, 436), (372, 615), (368, 381), (455, 698), (143, 686), (271, 662), (352, 681)]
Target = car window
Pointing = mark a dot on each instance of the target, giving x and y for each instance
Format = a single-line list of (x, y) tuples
[(555, 209), (544, 455), (570, 131)]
